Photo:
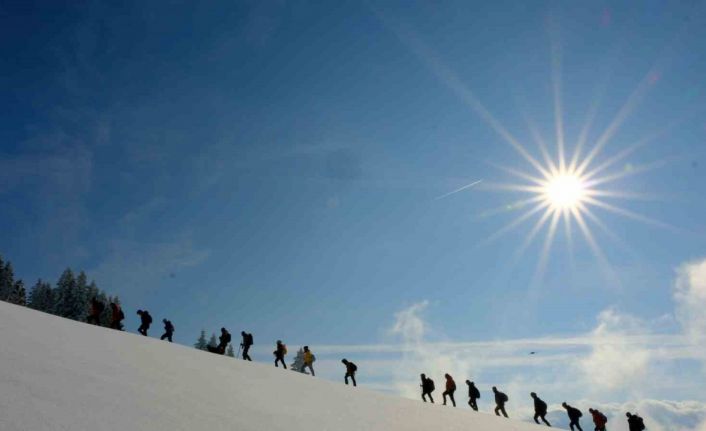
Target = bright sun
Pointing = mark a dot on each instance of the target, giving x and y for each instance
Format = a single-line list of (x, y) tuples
[(564, 191)]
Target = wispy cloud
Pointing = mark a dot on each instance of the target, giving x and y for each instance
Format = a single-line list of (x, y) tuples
[(623, 364), (690, 299)]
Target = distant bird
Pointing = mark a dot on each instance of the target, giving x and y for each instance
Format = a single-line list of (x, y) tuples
[(532, 353)]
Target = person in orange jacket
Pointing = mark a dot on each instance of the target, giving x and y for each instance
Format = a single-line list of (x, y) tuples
[(450, 389), (309, 359)]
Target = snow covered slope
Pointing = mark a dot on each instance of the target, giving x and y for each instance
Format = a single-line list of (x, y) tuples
[(57, 374)]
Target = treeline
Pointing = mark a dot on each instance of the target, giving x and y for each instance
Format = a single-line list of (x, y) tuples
[(69, 297)]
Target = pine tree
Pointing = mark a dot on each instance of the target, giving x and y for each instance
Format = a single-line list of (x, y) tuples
[(18, 295), (41, 297), (298, 364), (67, 297), (82, 301), (201, 342), (230, 351), (7, 280), (213, 341)]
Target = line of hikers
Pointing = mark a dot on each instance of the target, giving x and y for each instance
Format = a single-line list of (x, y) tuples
[(635, 422), (117, 316)]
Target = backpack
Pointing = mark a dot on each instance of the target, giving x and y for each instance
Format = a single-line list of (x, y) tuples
[(353, 366), (504, 397), (148, 318), (604, 418), (313, 358), (431, 385), (579, 413), (476, 392), (121, 315), (284, 349), (226, 338), (248, 339), (640, 423)]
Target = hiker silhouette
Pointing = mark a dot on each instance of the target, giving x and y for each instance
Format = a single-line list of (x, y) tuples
[(351, 369), (635, 422), (223, 341), (245, 344), (450, 389), (94, 316), (599, 419), (427, 388), (574, 416), (540, 409), (473, 395), (500, 400), (145, 321), (280, 351), (168, 330)]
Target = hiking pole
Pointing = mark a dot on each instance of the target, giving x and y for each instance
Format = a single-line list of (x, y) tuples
[(240, 347)]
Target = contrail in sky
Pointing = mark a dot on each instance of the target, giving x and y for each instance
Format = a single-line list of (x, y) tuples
[(467, 186)]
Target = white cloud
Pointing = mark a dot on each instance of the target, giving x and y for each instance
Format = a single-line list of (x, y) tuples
[(613, 363), (622, 358), (690, 299)]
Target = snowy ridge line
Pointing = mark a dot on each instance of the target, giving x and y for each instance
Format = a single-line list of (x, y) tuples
[(58, 374)]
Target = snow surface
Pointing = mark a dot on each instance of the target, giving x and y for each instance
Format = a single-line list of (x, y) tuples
[(57, 374)]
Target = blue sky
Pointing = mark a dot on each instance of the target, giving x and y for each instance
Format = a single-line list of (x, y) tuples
[(276, 166)]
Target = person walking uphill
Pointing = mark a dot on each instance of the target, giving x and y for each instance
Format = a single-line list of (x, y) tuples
[(574, 416), (116, 316), (500, 400), (168, 330), (540, 409), (450, 389), (223, 341), (473, 395), (599, 419), (351, 369), (280, 351), (145, 321), (246, 344), (635, 422), (427, 388), (309, 359), (97, 308)]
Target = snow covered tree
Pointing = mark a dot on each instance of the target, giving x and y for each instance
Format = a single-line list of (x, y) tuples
[(201, 342), (41, 297), (298, 364), (230, 351), (213, 341)]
